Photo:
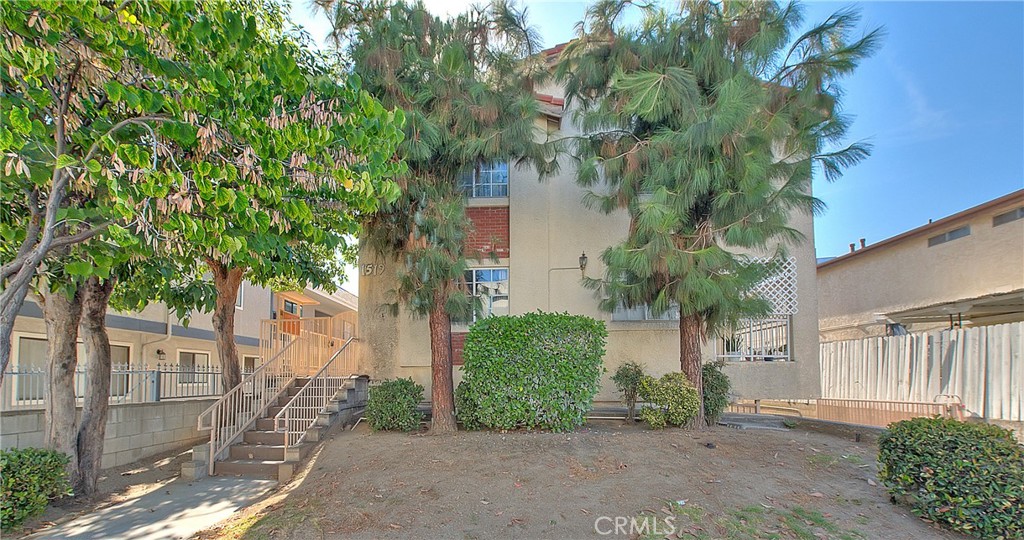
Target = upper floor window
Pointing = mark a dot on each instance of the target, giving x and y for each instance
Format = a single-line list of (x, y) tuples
[(490, 285), (951, 235), (1006, 217), (292, 308), (485, 180), (241, 294)]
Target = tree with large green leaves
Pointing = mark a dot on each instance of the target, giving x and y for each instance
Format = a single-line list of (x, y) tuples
[(209, 131), (465, 85), (706, 125)]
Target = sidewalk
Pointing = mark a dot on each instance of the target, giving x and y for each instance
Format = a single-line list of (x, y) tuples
[(177, 510)]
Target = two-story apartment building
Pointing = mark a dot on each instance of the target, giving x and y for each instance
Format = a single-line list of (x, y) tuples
[(542, 234), (155, 336), (966, 269)]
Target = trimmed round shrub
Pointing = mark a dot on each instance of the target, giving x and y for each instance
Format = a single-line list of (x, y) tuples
[(533, 371), (627, 380), (392, 405), (30, 479), (670, 401), (716, 391), (967, 476)]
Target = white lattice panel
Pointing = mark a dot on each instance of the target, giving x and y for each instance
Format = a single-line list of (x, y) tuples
[(779, 289)]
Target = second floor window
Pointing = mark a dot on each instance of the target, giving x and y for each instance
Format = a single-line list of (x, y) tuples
[(486, 180)]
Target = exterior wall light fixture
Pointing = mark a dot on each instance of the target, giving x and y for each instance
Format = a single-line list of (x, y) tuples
[(583, 264)]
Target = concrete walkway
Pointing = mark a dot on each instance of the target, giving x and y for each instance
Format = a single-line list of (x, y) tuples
[(177, 510)]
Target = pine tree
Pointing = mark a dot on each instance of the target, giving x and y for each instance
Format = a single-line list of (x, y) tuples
[(465, 87), (706, 125)]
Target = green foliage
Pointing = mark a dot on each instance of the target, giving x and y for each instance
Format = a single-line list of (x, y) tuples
[(704, 124), (392, 405), (472, 104), (29, 479), (716, 391), (627, 380), (967, 476), (536, 371), (466, 409), (670, 401), (194, 130)]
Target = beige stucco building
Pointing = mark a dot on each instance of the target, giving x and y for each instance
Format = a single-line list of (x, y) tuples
[(155, 336), (539, 230), (966, 269)]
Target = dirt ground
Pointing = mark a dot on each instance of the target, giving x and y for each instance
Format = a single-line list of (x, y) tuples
[(722, 483), (116, 485)]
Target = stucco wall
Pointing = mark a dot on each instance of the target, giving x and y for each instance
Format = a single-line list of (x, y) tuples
[(133, 431), (909, 274), (549, 228)]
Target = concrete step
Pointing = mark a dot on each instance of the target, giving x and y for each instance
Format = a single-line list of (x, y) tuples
[(263, 437), (265, 424), (253, 468), (271, 452), (272, 411)]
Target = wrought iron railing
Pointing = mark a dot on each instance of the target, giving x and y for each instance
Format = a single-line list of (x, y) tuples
[(303, 410), (24, 388), (295, 348)]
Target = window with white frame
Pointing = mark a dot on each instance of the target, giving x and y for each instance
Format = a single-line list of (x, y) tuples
[(241, 295), (1007, 217), (189, 363), (490, 285), (485, 180), (949, 236), (31, 362)]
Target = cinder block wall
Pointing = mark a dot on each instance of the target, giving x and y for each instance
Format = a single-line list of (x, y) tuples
[(134, 431)]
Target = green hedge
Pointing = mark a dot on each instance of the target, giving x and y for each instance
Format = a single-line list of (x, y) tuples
[(967, 476), (537, 371), (392, 405), (671, 400), (716, 391), (627, 380), (31, 478)]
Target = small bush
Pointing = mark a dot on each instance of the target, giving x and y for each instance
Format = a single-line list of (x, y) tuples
[(967, 476), (465, 408), (627, 380), (392, 405), (31, 478), (716, 391), (538, 371), (671, 400)]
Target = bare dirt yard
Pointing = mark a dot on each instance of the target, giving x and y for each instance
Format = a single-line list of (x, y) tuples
[(721, 483)]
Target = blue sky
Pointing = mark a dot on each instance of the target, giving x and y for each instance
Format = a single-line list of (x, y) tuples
[(942, 103)]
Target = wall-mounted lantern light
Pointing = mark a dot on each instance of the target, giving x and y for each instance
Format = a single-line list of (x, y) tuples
[(161, 355), (583, 264)]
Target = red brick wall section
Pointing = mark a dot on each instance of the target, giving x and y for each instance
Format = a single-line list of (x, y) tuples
[(458, 339), (490, 234)]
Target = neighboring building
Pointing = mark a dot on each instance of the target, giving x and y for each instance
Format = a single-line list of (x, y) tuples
[(538, 230), (155, 336), (963, 270)]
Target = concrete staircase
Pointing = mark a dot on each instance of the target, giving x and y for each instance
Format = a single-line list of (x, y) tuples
[(261, 453)]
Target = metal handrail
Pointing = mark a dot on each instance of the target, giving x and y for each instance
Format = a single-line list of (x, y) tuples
[(235, 411), (304, 408)]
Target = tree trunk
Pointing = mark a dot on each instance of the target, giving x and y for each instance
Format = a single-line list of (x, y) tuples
[(691, 338), (442, 392), (11, 300), (62, 315), (93, 425), (227, 280)]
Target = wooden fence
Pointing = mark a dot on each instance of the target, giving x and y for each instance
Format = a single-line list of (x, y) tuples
[(982, 367)]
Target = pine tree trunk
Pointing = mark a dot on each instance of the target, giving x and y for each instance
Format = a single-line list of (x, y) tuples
[(93, 425), (691, 338), (227, 280), (62, 315), (442, 394)]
